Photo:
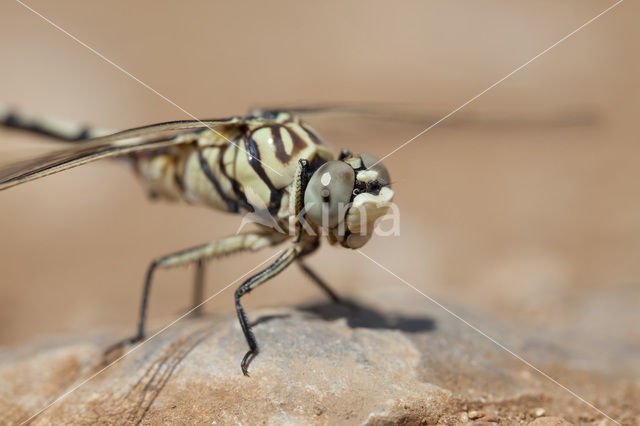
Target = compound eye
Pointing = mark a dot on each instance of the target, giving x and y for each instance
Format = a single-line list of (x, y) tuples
[(328, 193), (369, 160)]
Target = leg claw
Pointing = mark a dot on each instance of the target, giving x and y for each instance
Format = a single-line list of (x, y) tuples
[(121, 344), (246, 360)]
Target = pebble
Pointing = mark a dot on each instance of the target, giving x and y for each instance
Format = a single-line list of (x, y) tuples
[(539, 412), (473, 414)]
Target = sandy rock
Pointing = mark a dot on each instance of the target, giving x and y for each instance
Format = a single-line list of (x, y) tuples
[(318, 364), (308, 369)]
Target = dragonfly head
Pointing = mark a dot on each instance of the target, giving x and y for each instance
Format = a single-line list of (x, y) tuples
[(345, 197)]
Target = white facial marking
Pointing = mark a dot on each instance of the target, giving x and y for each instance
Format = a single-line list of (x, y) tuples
[(354, 162), (325, 179), (367, 175), (384, 196)]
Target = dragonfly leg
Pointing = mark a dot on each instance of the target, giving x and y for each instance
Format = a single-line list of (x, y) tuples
[(319, 281), (260, 278), (198, 288), (232, 244)]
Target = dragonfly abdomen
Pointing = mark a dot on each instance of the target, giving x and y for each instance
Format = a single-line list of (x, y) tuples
[(48, 126)]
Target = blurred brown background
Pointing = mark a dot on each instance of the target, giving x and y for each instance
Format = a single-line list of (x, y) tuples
[(508, 208)]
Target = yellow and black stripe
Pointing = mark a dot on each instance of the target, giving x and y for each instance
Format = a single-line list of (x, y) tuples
[(251, 170)]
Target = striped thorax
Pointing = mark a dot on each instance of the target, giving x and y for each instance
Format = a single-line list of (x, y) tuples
[(242, 168)]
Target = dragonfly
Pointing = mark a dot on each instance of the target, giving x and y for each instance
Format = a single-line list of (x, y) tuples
[(270, 164)]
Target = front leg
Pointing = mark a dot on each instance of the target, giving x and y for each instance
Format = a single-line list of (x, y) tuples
[(296, 201), (260, 278), (305, 243)]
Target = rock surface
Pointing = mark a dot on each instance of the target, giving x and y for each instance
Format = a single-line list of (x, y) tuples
[(321, 364)]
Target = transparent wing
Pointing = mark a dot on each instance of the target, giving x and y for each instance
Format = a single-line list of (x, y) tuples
[(134, 140), (375, 127), (413, 114)]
